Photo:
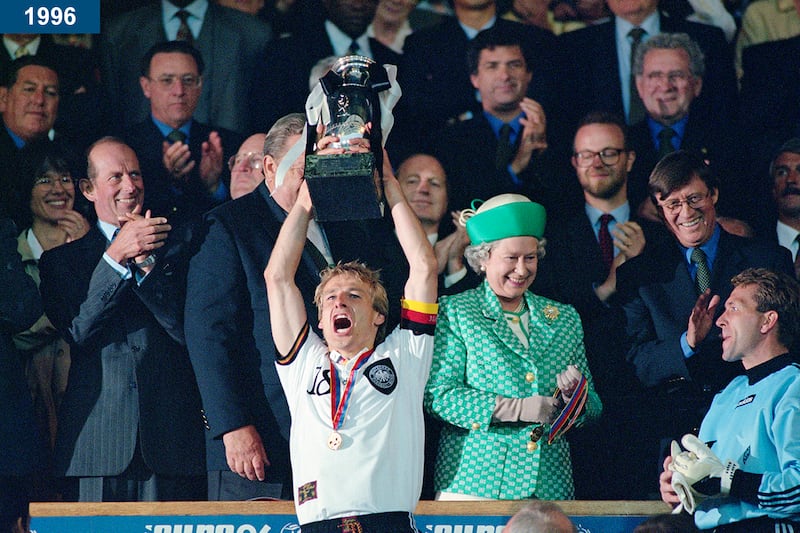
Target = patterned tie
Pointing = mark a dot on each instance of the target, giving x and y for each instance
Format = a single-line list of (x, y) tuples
[(22, 51), (703, 277), (605, 240), (175, 136), (797, 258), (505, 150), (665, 142), (184, 33), (636, 111)]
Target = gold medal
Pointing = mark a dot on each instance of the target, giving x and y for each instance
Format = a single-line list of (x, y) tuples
[(334, 440)]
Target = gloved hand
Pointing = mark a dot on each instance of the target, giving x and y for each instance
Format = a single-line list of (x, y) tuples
[(537, 408), (567, 381), (698, 473)]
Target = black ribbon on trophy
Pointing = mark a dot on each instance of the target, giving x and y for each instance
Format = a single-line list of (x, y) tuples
[(355, 96)]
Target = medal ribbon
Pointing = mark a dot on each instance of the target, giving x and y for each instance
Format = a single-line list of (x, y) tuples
[(339, 402), (569, 415)]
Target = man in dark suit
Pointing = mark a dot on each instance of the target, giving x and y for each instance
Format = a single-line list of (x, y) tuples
[(435, 77), (21, 446), (597, 61), (183, 159), (675, 345), (585, 247), (231, 42), (130, 424), (227, 319), (670, 72), (505, 148), (285, 75), (79, 109)]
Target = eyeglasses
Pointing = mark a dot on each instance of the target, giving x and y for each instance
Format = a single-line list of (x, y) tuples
[(254, 160), (674, 77), (49, 181), (608, 156), (190, 81), (694, 201)]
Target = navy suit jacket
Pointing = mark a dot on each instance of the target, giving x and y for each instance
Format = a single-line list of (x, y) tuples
[(770, 98), (284, 75), (467, 153), (21, 448), (590, 81), (659, 312), (130, 379), (232, 44), (190, 199)]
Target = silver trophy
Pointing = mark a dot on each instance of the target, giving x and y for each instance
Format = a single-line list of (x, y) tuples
[(344, 186)]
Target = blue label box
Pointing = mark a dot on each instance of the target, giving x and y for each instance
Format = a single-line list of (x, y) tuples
[(48, 16)]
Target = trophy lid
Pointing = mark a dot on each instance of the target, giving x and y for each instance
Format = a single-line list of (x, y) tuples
[(353, 70)]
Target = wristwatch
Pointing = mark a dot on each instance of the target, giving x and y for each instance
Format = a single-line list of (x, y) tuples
[(150, 260)]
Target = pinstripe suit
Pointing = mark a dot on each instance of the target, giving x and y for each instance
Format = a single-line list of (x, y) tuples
[(130, 380)]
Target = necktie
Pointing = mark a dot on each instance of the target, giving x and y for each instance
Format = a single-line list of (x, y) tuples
[(184, 33), (797, 258), (605, 240), (505, 150), (354, 48), (665, 142), (702, 279), (22, 51), (175, 136), (636, 109)]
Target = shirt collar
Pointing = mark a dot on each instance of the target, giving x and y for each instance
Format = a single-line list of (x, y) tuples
[(11, 46), (496, 124), (339, 359), (196, 9), (107, 229), (786, 236), (35, 246), (472, 32), (19, 142), (710, 248), (165, 130), (759, 372), (621, 214), (340, 41), (652, 25), (679, 128)]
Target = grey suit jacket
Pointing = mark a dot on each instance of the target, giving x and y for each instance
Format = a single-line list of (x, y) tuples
[(232, 44), (130, 377)]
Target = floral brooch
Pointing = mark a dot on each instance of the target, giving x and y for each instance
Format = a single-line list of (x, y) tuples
[(550, 312)]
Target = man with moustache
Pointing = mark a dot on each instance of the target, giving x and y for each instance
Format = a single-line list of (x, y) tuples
[(670, 317), (130, 422), (785, 172)]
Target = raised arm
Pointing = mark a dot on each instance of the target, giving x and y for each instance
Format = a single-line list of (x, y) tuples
[(286, 308), (423, 271)]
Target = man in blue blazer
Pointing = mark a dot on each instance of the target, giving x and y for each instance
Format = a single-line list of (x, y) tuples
[(182, 159), (130, 424), (675, 291)]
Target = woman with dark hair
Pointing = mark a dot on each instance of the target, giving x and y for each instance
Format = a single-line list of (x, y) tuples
[(51, 221)]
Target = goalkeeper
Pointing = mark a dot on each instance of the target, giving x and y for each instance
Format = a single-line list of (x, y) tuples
[(743, 472)]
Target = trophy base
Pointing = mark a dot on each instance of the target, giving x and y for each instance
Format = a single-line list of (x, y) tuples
[(342, 187)]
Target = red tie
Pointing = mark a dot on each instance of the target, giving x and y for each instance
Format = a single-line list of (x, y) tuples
[(605, 240)]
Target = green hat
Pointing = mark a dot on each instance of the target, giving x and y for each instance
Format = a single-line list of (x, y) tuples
[(505, 215)]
